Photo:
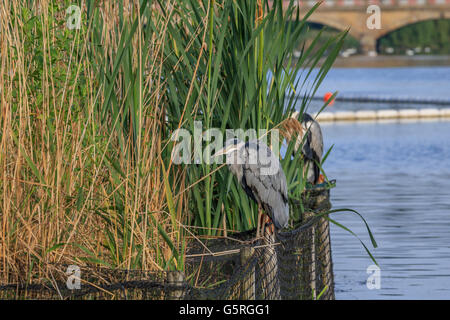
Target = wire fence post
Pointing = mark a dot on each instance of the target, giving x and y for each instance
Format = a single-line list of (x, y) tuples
[(311, 255), (323, 242), (325, 257), (248, 282), (270, 275)]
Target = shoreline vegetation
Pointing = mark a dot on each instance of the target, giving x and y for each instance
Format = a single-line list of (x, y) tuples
[(87, 116), (384, 61)]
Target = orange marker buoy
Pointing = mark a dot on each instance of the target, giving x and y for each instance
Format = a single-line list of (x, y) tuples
[(327, 97)]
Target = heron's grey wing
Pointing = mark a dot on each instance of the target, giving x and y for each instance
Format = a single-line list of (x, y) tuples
[(317, 150), (306, 147), (271, 192), (276, 180), (269, 185), (317, 139), (278, 198), (253, 171)]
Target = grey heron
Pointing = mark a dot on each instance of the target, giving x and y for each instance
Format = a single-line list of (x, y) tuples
[(314, 141), (312, 148), (261, 176)]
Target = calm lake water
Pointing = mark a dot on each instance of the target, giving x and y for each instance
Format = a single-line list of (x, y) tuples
[(397, 175)]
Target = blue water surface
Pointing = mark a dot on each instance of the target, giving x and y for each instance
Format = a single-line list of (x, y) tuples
[(397, 175)]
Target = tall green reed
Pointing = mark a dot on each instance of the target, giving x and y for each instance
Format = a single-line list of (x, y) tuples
[(89, 114), (247, 78)]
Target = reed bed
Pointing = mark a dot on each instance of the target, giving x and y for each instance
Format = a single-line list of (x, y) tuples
[(87, 117)]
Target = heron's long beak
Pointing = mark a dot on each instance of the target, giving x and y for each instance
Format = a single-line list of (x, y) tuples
[(219, 153), (225, 150)]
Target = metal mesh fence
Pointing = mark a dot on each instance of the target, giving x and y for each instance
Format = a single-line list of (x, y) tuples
[(295, 264)]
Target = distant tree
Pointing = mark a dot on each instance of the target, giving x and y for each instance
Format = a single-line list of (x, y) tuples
[(432, 33)]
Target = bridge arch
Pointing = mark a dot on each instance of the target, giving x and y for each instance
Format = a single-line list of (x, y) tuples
[(393, 17), (403, 21), (334, 23)]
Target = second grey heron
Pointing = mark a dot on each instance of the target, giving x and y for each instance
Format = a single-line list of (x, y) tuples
[(249, 163), (308, 132), (314, 142)]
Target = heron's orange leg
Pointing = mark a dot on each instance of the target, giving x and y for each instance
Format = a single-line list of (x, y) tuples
[(321, 179), (258, 222), (268, 225)]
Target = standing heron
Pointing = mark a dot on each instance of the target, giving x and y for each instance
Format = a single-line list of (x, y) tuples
[(314, 141), (312, 148), (261, 176), (309, 138)]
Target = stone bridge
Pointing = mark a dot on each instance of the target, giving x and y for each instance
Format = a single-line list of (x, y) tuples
[(353, 14)]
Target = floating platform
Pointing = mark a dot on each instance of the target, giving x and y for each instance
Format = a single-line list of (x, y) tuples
[(390, 99), (390, 114)]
